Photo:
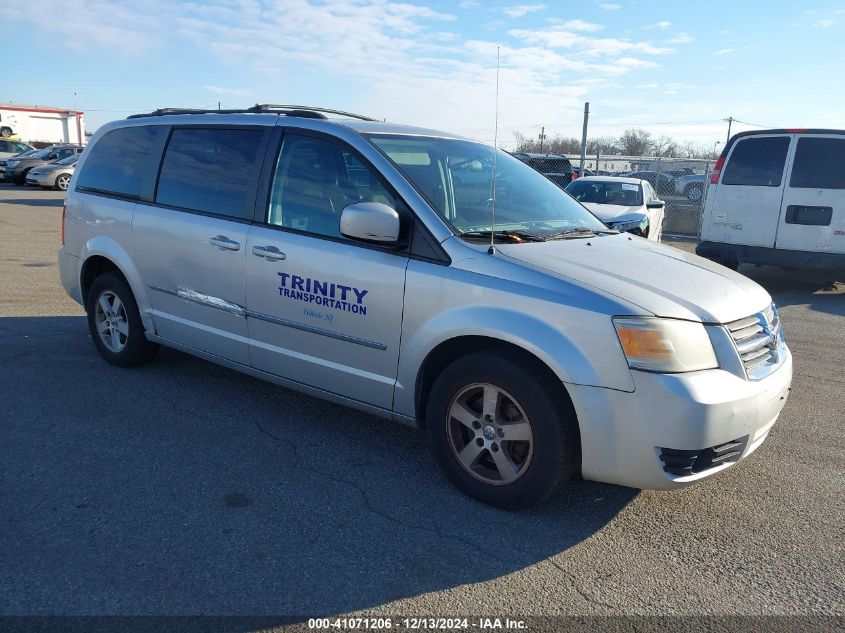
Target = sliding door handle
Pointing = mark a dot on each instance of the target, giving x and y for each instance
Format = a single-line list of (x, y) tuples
[(221, 241)]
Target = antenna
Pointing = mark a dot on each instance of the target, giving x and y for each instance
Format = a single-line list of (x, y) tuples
[(492, 249)]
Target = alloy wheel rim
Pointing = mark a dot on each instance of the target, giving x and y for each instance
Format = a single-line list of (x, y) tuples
[(489, 434), (111, 321), (62, 182)]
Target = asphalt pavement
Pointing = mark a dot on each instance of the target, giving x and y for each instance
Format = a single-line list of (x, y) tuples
[(185, 488)]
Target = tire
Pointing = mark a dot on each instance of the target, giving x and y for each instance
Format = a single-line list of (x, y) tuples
[(21, 180), (62, 182), (694, 192), (529, 405), (5, 132), (112, 310)]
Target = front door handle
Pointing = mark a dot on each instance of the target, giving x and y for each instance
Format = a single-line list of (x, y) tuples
[(268, 252), (221, 241)]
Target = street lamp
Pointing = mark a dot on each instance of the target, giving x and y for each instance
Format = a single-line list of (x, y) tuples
[(714, 147)]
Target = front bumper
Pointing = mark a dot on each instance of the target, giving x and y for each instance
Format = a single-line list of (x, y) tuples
[(42, 180), (623, 434)]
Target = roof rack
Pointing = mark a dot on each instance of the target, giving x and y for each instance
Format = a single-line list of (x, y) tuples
[(307, 112)]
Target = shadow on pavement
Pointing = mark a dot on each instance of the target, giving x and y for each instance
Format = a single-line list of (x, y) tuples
[(818, 290), (182, 487), (35, 202)]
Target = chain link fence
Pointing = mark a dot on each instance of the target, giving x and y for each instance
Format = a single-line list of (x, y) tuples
[(680, 182)]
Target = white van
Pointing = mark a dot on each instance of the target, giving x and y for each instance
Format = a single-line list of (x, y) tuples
[(777, 197)]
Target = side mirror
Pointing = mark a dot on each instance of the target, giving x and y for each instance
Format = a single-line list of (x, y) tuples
[(370, 222), (655, 204)]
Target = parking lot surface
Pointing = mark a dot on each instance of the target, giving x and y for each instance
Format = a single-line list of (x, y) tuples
[(185, 488)]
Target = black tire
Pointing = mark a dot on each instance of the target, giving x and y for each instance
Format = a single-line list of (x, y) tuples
[(21, 180), (5, 132), (555, 455), (137, 349), (62, 181)]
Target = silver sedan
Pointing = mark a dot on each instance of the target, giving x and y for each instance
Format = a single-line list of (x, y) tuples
[(56, 174)]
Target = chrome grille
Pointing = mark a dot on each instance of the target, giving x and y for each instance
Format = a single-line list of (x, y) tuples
[(758, 339)]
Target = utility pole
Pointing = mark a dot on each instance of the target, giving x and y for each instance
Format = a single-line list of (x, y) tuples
[(218, 106), (584, 137), (730, 120), (542, 137)]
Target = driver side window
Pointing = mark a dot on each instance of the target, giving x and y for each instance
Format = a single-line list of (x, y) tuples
[(314, 181)]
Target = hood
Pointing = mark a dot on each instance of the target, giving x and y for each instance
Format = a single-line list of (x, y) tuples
[(662, 280), (612, 212), (52, 167)]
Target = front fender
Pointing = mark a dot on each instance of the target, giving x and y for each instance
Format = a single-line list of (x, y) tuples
[(110, 249), (584, 352)]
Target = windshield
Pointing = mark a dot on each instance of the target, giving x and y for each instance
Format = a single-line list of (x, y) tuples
[(606, 192), (68, 160), (456, 177), (42, 153)]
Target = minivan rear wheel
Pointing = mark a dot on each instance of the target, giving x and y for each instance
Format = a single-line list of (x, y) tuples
[(500, 431), (115, 323)]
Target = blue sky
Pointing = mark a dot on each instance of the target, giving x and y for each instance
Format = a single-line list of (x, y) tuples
[(675, 68)]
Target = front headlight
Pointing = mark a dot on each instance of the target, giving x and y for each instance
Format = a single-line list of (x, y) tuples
[(665, 345), (624, 226), (11, 163)]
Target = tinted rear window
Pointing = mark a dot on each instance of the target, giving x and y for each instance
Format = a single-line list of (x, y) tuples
[(211, 170), (123, 161), (757, 162), (819, 164)]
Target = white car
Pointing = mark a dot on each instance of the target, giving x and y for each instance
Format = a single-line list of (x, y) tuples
[(9, 148), (625, 204)]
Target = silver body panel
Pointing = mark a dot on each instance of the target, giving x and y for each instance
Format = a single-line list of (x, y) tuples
[(554, 300)]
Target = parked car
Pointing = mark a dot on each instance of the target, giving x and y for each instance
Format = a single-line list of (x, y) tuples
[(624, 204), (576, 172), (678, 173), (662, 183), (691, 186), (528, 347), (13, 148), (777, 197), (18, 167), (53, 175), (555, 167)]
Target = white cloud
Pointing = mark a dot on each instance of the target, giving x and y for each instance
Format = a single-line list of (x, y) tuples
[(681, 38), (729, 51), (519, 10), (662, 25), (610, 6), (559, 37), (576, 25), (469, 4), (826, 23)]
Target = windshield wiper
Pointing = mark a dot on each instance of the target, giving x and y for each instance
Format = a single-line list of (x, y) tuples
[(514, 236), (579, 232)]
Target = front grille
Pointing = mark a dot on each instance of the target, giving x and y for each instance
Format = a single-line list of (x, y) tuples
[(757, 339), (683, 462)]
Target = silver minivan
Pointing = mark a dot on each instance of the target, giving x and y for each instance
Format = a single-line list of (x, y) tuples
[(427, 279)]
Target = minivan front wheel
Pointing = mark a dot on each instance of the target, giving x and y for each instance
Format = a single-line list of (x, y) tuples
[(115, 323), (500, 431)]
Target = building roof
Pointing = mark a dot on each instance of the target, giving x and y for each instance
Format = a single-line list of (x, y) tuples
[(38, 108)]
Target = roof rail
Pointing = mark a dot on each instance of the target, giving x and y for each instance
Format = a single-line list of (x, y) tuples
[(272, 107), (259, 108)]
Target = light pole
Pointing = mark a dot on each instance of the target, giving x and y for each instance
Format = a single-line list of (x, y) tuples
[(716, 144)]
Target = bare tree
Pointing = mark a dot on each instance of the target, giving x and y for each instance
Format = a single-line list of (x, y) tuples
[(635, 142), (666, 147)]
